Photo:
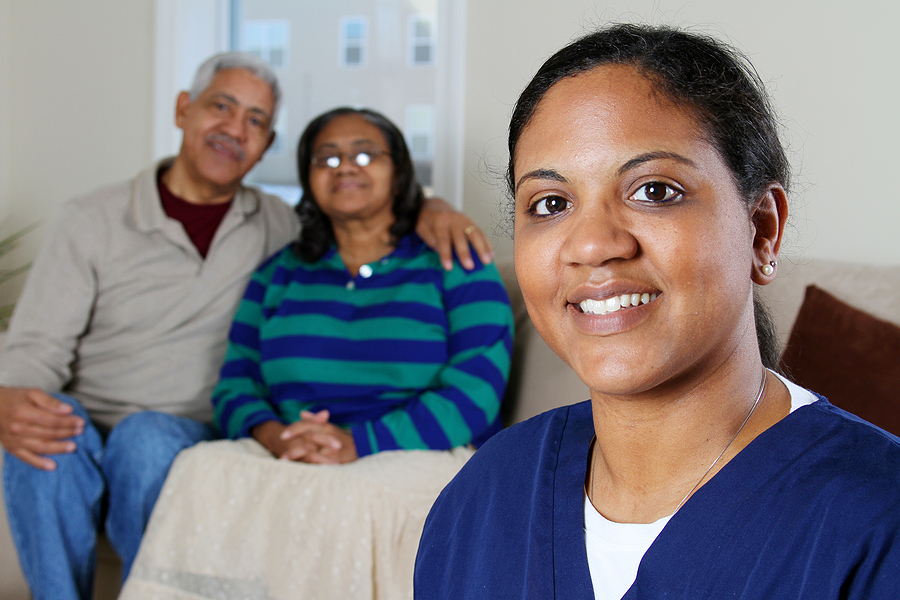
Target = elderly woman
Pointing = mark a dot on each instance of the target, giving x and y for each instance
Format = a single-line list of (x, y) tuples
[(649, 191), (354, 340), (351, 342)]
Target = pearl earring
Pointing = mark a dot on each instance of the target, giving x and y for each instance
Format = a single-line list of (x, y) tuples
[(769, 268)]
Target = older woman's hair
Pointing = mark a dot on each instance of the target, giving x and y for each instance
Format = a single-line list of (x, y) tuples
[(317, 235), (236, 60), (712, 80)]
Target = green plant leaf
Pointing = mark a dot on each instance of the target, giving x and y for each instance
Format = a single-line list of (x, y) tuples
[(10, 241)]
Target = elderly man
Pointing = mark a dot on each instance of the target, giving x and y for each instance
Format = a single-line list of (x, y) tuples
[(121, 329)]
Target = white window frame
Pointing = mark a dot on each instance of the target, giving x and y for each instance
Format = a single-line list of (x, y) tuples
[(344, 41), (414, 41), (189, 31)]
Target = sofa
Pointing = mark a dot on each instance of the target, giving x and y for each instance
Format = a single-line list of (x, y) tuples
[(840, 334)]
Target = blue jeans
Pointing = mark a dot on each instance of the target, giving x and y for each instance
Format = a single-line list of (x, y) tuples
[(109, 483)]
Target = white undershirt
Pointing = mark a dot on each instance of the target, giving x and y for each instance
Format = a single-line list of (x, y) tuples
[(614, 550)]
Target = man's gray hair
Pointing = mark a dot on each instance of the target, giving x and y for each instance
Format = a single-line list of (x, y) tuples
[(236, 60)]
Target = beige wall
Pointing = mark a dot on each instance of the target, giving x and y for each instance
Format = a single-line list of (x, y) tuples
[(4, 103), (75, 105), (832, 68), (76, 108)]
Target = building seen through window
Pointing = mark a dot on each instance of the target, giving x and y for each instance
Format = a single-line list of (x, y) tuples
[(269, 40), (378, 54), (421, 39), (353, 43)]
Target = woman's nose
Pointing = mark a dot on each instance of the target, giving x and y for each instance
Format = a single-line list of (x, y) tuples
[(347, 164), (596, 236)]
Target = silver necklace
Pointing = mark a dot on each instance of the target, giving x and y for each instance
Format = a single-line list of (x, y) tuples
[(759, 395), (762, 389)]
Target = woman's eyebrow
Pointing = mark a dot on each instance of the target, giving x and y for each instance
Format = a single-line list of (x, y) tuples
[(551, 174), (541, 174), (650, 156)]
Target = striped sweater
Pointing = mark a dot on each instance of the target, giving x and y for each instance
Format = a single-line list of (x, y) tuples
[(405, 355)]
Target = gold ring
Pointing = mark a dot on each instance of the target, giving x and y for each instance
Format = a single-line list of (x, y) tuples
[(468, 230)]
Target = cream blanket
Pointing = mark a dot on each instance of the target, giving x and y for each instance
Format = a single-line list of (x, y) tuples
[(234, 523)]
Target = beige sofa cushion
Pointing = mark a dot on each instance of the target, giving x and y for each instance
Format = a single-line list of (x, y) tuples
[(874, 289)]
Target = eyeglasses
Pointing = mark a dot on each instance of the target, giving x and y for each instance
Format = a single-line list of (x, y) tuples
[(333, 159)]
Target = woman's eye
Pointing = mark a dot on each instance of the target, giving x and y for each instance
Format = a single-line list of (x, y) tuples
[(550, 205), (656, 192)]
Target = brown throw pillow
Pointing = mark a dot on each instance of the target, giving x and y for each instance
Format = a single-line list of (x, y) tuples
[(848, 356)]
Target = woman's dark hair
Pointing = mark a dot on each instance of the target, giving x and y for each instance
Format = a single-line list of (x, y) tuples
[(317, 234), (712, 80)]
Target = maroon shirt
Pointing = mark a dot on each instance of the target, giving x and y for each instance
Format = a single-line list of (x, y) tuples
[(200, 221)]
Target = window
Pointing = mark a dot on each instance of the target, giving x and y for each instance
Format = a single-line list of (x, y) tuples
[(418, 129), (269, 40), (353, 41), (422, 30), (383, 43)]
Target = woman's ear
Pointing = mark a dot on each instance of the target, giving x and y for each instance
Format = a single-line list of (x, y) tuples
[(768, 218)]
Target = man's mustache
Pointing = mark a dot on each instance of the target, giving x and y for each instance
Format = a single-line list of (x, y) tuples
[(226, 140)]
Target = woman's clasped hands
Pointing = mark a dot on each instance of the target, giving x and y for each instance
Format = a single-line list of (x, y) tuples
[(312, 439)]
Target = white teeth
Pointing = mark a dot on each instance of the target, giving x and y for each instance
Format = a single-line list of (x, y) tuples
[(610, 305)]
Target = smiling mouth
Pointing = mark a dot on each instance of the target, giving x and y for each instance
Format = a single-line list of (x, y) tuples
[(615, 303), (224, 144)]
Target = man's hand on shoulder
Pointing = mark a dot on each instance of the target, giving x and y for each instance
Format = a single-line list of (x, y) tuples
[(446, 230), (33, 424)]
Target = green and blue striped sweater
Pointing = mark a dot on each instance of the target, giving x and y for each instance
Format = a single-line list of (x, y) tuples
[(405, 355)]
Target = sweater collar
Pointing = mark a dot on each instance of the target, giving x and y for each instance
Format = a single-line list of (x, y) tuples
[(147, 210), (410, 245)]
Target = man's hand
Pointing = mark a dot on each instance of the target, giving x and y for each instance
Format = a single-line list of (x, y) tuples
[(34, 423), (312, 439), (446, 230)]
